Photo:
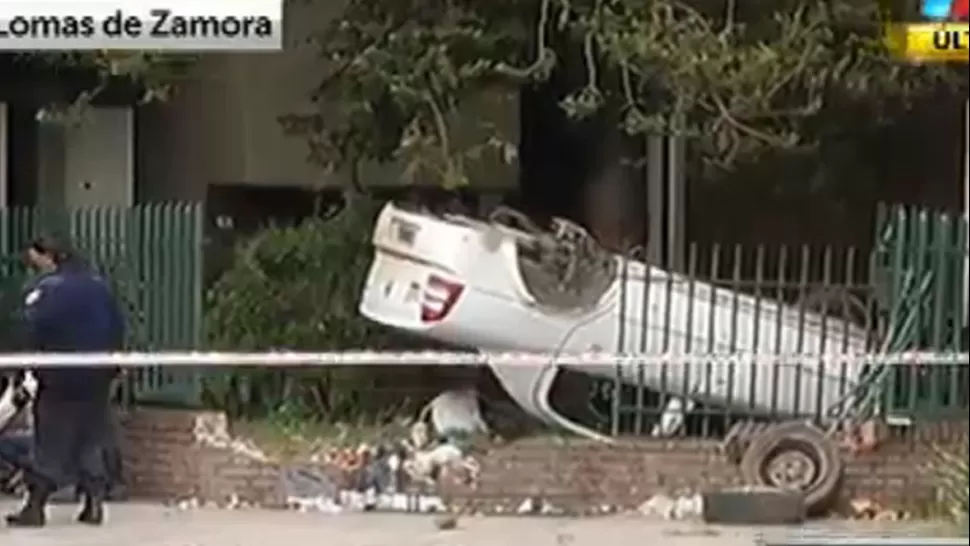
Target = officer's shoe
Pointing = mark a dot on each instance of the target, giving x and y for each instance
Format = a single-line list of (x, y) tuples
[(32, 514), (92, 513), (28, 516)]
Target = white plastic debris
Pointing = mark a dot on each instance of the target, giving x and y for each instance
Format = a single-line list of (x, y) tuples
[(673, 417), (214, 433), (314, 504), (456, 411), (528, 506), (658, 506), (191, 503), (234, 502), (689, 507), (671, 508), (358, 501), (423, 464), (537, 505)]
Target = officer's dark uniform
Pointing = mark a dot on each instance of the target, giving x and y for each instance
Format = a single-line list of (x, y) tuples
[(70, 310)]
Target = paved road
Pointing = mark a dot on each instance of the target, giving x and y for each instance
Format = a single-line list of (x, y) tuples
[(148, 525)]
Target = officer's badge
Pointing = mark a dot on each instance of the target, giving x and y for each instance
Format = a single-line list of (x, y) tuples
[(32, 297)]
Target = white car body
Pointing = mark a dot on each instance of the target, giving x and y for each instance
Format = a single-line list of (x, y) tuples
[(460, 280)]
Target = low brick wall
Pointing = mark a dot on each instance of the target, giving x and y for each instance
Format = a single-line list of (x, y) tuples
[(176, 454), (581, 475)]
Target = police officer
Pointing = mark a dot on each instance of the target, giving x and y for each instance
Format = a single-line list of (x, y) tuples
[(69, 309)]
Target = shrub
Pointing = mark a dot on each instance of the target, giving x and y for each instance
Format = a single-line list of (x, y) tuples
[(296, 287), (953, 473)]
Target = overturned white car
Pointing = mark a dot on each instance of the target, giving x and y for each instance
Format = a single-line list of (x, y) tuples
[(502, 284)]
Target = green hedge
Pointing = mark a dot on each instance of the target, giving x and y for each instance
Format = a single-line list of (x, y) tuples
[(296, 287)]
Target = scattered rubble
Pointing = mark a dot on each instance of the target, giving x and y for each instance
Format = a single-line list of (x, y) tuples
[(402, 473), (394, 475), (673, 508), (868, 509), (538, 506), (455, 413), (446, 522), (213, 431)]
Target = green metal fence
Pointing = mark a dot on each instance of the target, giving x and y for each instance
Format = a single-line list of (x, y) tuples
[(920, 264), (152, 255), (907, 293)]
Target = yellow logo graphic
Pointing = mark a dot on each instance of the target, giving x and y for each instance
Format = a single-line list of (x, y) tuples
[(930, 42)]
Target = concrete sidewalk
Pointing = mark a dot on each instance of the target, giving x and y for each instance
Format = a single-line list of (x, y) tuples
[(150, 525)]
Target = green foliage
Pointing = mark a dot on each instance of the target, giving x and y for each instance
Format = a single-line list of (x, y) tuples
[(737, 78), (744, 79), (953, 473), (296, 288), (156, 74), (403, 71)]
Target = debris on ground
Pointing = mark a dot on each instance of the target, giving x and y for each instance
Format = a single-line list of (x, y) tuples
[(869, 509), (446, 522), (537, 505), (387, 478), (673, 508), (399, 474), (455, 413), (214, 432)]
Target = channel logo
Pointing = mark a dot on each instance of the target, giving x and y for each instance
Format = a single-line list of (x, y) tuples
[(945, 10), (942, 35)]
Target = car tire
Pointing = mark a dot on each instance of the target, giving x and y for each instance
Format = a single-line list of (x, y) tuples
[(754, 506), (796, 456)]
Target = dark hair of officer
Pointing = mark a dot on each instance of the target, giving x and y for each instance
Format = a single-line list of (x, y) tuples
[(47, 252)]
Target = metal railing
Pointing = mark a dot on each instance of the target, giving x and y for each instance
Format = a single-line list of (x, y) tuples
[(151, 253), (905, 295)]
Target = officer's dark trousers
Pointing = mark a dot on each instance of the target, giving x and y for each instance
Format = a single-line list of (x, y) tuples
[(71, 437)]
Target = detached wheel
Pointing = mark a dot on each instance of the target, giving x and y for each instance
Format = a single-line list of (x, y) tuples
[(795, 456)]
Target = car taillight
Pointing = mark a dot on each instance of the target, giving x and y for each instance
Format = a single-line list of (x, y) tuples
[(440, 296)]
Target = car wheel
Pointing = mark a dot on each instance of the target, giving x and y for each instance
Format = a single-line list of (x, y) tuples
[(795, 456)]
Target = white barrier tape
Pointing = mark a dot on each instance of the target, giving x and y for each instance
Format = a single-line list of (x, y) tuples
[(444, 358)]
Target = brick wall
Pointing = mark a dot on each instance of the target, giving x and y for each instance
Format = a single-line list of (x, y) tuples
[(583, 476), (176, 454)]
